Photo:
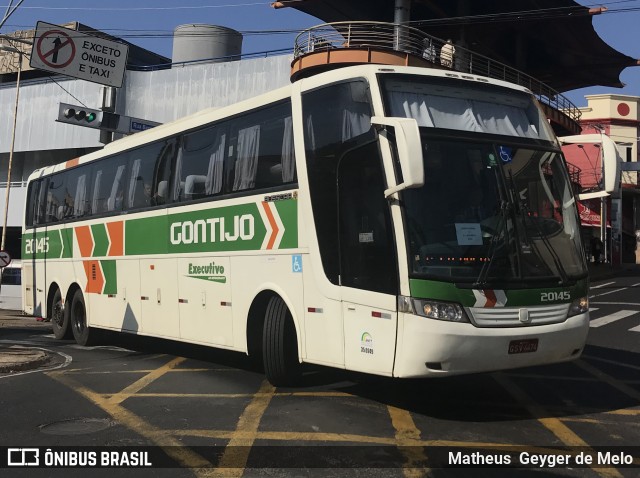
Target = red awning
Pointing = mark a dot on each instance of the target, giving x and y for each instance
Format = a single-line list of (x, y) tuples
[(589, 211)]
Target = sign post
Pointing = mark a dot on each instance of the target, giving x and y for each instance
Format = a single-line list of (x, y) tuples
[(72, 53)]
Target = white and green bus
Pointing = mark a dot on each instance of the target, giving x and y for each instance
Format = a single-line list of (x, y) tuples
[(405, 222)]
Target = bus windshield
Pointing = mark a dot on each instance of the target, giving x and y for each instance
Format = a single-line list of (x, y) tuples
[(492, 213), (465, 106)]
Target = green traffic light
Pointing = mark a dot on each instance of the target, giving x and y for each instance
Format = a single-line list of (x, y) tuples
[(91, 117)]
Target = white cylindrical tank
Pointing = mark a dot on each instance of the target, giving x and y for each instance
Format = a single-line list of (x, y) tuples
[(194, 42)]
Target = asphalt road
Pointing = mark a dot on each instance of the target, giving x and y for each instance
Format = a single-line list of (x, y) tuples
[(199, 407)]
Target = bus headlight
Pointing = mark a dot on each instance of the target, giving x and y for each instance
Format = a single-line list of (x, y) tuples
[(440, 310), (579, 306)]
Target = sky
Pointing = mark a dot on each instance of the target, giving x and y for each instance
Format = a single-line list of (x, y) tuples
[(150, 23)]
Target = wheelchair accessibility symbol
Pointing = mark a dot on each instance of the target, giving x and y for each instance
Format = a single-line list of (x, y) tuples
[(506, 154), (296, 263)]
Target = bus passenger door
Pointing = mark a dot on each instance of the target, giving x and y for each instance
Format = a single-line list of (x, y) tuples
[(368, 262)]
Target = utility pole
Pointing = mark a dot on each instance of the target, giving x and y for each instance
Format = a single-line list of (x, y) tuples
[(13, 140)]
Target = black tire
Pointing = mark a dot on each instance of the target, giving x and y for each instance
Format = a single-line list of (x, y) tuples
[(59, 317), (280, 345), (82, 333)]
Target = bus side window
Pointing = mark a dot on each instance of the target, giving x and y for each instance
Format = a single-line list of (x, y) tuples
[(56, 198), (163, 169), (32, 203), (141, 190), (108, 185), (76, 198), (246, 160), (276, 159), (261, 152), (40, 213), (199, 164)]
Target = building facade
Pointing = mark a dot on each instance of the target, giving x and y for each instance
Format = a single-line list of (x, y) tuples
[(618, 117)]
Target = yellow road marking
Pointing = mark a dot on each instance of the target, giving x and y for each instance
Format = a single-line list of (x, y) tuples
[(554, 425), (608, 379), (351, 438), (236, 454), (239, 395), (138, 385), (104, 372), (240, 441), (172, 447), (624, 411), (408, 437)]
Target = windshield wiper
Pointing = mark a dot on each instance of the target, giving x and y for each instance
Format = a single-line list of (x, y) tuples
[(491, 253)]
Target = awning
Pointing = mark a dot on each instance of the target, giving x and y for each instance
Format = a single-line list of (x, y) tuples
[(552, 40), (589, 211)]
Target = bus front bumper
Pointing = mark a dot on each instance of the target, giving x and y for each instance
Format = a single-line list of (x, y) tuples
[(428, 347)]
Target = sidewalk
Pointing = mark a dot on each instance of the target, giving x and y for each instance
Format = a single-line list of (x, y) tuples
[(15, 318), (15, 358)]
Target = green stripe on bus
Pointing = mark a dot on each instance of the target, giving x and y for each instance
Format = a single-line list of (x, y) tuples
[(288, 211), (48, 244), (448, 292), (110, 277), (231, 228), (100, 240)]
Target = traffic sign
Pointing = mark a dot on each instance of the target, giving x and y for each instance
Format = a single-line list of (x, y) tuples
[(5, 259), (72, 53)]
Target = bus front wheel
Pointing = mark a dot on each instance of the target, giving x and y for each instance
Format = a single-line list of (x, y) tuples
[(82, 333), (280, 345), (59, 317)]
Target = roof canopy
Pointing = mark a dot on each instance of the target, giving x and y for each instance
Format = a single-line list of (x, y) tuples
[(551, 40)]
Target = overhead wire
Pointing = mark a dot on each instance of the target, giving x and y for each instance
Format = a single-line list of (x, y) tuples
[(574, 11)]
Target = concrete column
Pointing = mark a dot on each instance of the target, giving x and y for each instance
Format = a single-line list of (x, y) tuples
[(402, 15)]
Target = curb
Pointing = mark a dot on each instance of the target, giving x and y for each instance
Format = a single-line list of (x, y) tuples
[(19, 360)]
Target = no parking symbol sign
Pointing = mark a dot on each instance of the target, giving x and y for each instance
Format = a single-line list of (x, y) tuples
[(5, 259)]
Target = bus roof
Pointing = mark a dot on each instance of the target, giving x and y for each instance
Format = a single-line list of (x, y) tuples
[(209, 115)]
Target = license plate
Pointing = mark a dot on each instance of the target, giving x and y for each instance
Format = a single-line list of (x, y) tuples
[(523, 346)]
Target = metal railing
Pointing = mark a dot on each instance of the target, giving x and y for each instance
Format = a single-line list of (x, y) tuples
[(405, 39), (218, 59), (14, 184), (574, 174)]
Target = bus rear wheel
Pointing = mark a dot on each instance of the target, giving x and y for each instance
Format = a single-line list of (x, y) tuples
[(59, 317), (82, 333), (280, 345)]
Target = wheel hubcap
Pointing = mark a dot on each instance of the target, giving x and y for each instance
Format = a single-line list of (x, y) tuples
[(58, 314), (78, 316)]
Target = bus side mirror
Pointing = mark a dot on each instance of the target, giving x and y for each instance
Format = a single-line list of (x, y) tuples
[(611, 161), (409, 147)]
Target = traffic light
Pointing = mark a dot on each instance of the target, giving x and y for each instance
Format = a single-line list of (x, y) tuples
[(88, 116), (102, 120), (79, 115)]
